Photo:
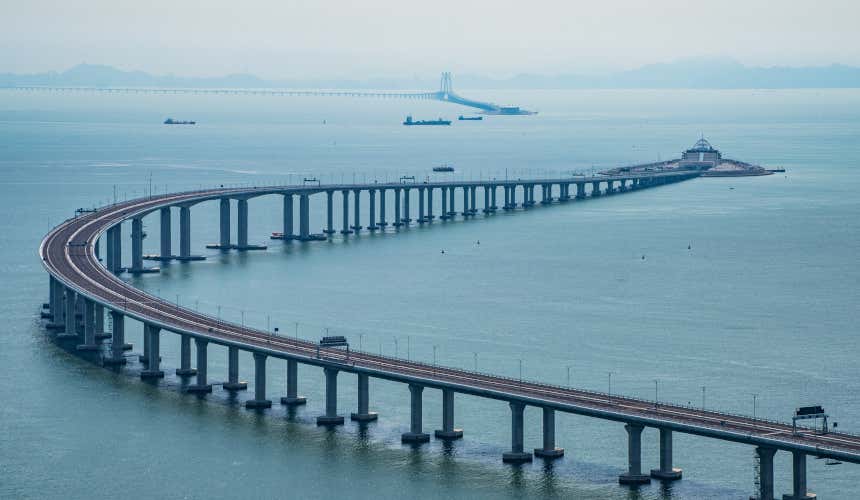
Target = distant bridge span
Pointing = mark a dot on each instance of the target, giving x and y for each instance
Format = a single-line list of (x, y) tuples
[(445, 93)]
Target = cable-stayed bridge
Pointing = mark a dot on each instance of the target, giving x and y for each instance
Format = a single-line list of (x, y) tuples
[(445, 93)]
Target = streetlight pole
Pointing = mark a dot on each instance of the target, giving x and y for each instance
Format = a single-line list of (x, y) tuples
[(434, 357), (656, 398), (703, 397), (754, 401), (297, 330), (396, 350), (360, 337), (475, 357), (521, 370), (609, 393), (568, 376)]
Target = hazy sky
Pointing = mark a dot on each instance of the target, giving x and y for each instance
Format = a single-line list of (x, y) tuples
[(360, 38)]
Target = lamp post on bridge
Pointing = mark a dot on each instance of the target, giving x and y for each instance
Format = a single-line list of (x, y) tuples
[(568, 376)]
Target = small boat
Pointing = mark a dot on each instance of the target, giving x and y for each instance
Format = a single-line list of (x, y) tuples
[(409, 121), (171, 121), (443, 168), (470, 118)]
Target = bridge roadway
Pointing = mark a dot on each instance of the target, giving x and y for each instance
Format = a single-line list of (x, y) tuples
[(68, 254)]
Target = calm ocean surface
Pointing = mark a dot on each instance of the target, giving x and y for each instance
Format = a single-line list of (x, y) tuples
[(765, 302)]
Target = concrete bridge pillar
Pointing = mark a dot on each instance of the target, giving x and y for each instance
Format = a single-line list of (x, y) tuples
[(136, 245), (580, 190), (331, 417), (448, 431), (117, 248), (487, 208), (507, 205), (242, 224), (549, 450), (595, 189), (232, 383), (345, 195), (799, 491), (304, 217), (363, 414), (153, 355), (329, 228), (634, 457), (609, 187), (202, 385), (259, 400), (516, 455), (166, 250), (69, 316), (406, 220), (430, 204), (110, 250), (666, 472), (185, 369), (117, 347), (224, 240), (292, 398), (53, 305), (416, 432), (397, 221), (493, 206), (765, 458), (357, 203), (89, 343), (513, 200), (466, 210), (184, 232), (473, 206), (452, 210), (288, 217), (382, 222), (444, 215), (421, 219), (372, 207)]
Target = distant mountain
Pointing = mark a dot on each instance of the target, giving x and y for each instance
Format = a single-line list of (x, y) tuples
[(692, 73)]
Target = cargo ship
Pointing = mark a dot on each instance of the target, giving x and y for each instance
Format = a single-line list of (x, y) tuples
[(443, 168), (171, 121), (470, 118), (410, 121)]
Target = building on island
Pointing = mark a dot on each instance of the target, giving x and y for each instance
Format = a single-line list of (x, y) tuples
[(702, 156)]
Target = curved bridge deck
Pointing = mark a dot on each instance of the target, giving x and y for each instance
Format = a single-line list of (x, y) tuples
[(68, 255)]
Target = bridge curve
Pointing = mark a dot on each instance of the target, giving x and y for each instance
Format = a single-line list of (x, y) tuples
[(68, 253)]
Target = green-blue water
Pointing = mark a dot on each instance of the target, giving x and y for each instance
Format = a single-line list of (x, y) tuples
[(765, 302)]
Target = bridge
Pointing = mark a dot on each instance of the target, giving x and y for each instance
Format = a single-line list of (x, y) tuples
[(82, 290), (445, 93)]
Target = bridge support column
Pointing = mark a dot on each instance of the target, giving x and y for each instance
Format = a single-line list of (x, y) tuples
[(90, 343), (473, 205), (799, 491), (363, 414), (184, 233), (292, 398), (516, 455), (329, 228), (397, 221), (232, 383), (116, 245), (452, 209), (765, 458), (580, 190), (466, 211), (185, 369), (406, 196), (486, 209), (507, 205), (69, 330), (595, 189), (444, 215), (513, 204), (202, 385), (166, 250), (345, 195), (416, 432), (259, 400), (357, 227), (430, 205), (55, 303), (372, 207), (242, 224), (136, 245), (666, 472), (382, 222), (421, 219), (288, 217), (549, 449), (634, 457), (448, 431), (546, 194), (153, 354), (493, 206), (224, 241), (117, 347), (304, 217), (331, 417)]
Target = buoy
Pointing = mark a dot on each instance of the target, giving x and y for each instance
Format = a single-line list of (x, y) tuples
[(643, 256), (443, 251)]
